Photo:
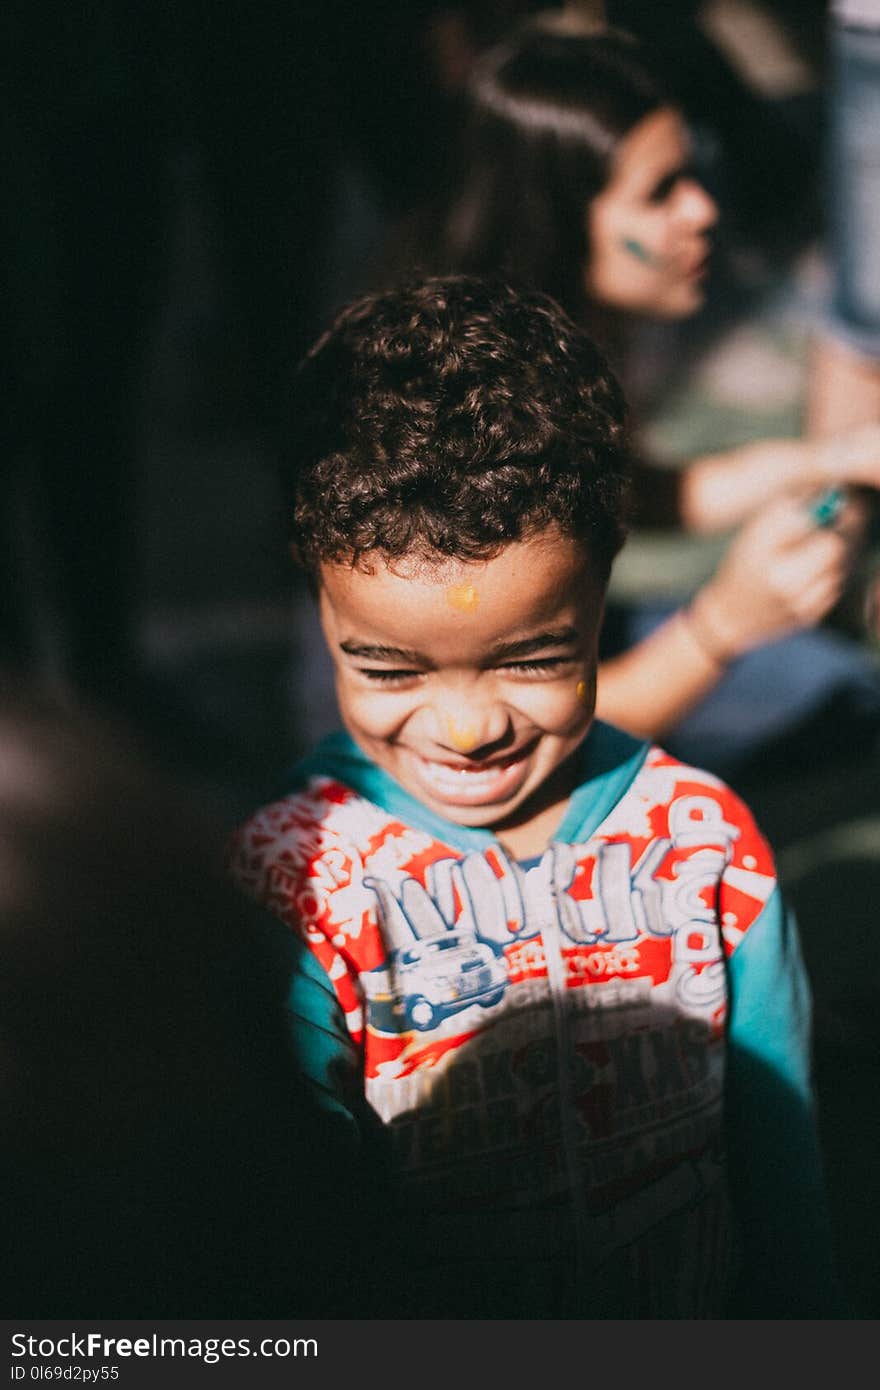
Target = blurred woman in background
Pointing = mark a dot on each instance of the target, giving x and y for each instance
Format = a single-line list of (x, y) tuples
[(576, 178)]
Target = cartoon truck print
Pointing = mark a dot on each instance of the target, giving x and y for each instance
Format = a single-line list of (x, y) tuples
[(432, 979)]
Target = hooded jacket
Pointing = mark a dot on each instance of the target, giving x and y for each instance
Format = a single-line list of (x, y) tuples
[(593, 1067)]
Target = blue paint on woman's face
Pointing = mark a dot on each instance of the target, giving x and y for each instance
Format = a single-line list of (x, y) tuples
[(641, 253)]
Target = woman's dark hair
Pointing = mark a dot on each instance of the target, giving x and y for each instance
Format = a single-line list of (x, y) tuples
[(547, 111), (448, 417)]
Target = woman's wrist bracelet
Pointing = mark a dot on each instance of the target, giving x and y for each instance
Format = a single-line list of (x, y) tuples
[(704, 638)]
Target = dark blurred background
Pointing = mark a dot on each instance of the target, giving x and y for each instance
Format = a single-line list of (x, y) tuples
[(191, 191)]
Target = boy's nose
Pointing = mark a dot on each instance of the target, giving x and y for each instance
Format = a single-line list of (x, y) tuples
[(470, 726)]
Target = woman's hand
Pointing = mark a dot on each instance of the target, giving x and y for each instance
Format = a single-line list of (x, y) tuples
[(781, 572), (720, 491)]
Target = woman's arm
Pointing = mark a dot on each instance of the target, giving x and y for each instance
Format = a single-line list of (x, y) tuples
[(718, 491), (780, 573)]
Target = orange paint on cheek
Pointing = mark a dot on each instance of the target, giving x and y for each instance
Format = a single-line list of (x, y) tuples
[(463, 597), (580, 691)]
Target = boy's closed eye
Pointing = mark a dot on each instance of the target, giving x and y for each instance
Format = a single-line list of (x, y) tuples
[(548, 665)]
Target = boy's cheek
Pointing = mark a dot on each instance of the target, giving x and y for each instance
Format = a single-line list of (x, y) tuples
[(556, 720), (376, 714), (568, 707)]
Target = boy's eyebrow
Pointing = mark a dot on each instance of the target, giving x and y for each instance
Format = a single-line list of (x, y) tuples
[(505, 651), (528, 646), (369, 651)]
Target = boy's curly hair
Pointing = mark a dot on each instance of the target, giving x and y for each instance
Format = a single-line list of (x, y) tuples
[(448, 417)]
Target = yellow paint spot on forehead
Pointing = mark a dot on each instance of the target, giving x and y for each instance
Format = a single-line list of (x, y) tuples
[(462, 597), (580, 691)]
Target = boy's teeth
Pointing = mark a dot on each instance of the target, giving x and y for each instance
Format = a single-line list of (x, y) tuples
[(445, 770), (474, 776)]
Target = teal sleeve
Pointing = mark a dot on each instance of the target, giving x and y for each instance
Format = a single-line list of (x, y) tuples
[(322, 1045), (323, 1052), (775, 1162)]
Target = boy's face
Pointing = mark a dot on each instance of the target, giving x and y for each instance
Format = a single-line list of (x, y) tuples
[(470, 683)]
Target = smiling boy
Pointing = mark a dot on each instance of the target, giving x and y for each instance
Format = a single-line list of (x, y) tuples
[(474, 707), (554, 962)]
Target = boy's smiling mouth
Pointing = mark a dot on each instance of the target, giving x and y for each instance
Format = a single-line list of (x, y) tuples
[(462, 783)]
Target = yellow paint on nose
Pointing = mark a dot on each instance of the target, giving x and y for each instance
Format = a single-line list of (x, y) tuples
[(462, 597), (580, 691), (463, 739)]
